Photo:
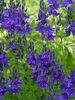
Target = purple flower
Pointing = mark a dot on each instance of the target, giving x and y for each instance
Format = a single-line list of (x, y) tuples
[(58, 73), (15, 20), (41, 16), (2, 92), (3, 85), (72, 92), (72, 77), (45, 30), (14, 89), (52, 10), (14, 86), (40, 28), (53, 1), (2, 5), (3, 61), (31, 59), (10, 45), (61, 97), (14, 83), (71, 29), (65, 3), (42, 81), (70, 9), (68, 86), (34, 73), (43, 26), (53, 6), (44, 68)]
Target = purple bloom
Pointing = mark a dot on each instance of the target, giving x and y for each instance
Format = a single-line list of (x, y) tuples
[(45, 30), (53, 1), (40, 28), (14, 86), (42, 81), (72, 92), (14, 89), (68, 86), (11, 45), (50, 1), (61, 97), (15, 21), (59, 74), (2, 5), (43, 26), (3, 85), (34, 73), (41, 16), (2, 92), (71, 29), (70, 9), (53, 6), (65, 3), (72, 77), (3, 61), (31, 59), (52, 10), (14, 83), (44, 68)]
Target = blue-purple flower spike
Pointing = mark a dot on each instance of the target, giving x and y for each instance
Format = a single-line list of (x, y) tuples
[(3, 85), (68, 86), (71, 29), (15, 81), (41, 70), (44, 68), (43, 26), (3, 61), (53, 7), (66, 3), (15, 20)]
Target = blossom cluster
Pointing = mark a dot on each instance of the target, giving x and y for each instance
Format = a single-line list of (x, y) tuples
[(11, 84), (46, 70), (43, 26), (14, 19), (68, 87), (3, 61)]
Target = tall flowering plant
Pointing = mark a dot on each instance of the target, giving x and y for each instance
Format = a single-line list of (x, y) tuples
[(37, 58)]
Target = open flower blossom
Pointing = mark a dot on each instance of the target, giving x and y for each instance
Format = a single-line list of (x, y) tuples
[(15, 20), (3, 61), (68, 85), (44, 68), (65, 3), (15, 81), (43, 26), (71, 29), (53, 7)]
